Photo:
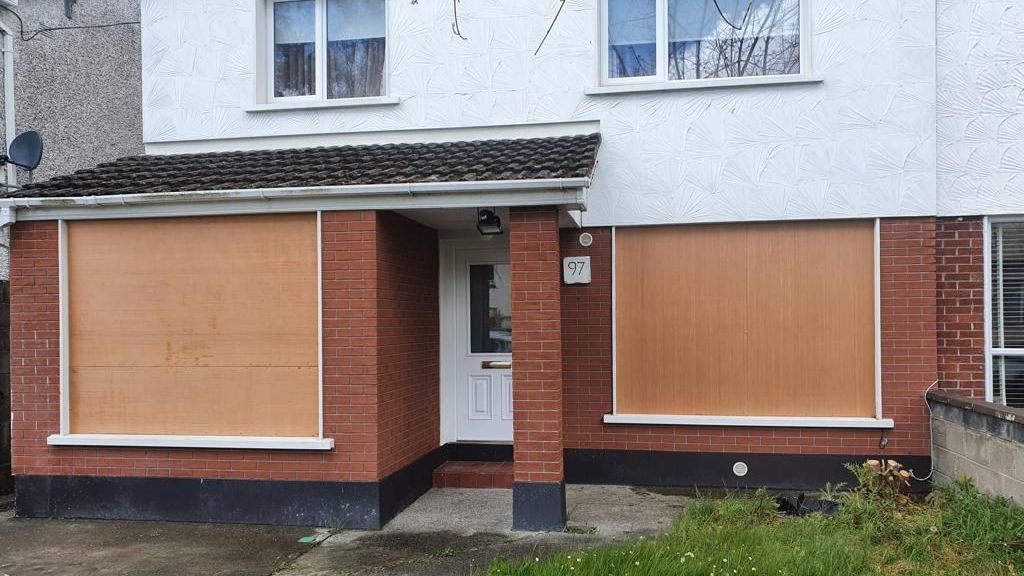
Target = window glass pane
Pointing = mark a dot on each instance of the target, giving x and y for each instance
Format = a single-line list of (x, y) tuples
[(295, 48), (1008, 381), (355, 48), (490, 308), (632, 38), (732, 38), (1008, 285)]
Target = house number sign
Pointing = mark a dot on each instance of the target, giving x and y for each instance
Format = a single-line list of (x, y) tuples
[(576, 270)]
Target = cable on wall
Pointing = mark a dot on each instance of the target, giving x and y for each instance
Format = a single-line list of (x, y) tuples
[(45, 30), (931, 440)]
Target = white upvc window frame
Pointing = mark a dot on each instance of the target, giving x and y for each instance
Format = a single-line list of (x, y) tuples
[(66, 438), (319, 99), (878, 422), (660, 80), (991, 352)]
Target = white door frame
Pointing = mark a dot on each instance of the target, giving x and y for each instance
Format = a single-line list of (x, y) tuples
[(449, 304)]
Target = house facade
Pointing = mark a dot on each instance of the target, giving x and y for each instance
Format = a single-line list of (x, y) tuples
[(651, 242)]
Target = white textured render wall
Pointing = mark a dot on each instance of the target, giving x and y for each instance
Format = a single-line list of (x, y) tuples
[(862, 143), (980, 106)]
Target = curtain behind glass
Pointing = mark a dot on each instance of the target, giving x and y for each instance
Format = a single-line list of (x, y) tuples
[(295, 48), (355, 48)]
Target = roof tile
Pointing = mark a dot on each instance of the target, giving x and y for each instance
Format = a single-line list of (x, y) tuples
[(513, 159)]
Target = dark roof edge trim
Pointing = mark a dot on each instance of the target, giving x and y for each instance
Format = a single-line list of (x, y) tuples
[(459, 191)]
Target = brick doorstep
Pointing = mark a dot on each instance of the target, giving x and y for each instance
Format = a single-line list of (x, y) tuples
[(473, 475)]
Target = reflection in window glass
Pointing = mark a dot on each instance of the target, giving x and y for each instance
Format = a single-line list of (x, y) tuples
[(355, 48), (632, 38), (490, 309), (733, 38), (295, 48)]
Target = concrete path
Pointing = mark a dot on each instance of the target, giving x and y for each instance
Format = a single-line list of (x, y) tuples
[(450, 531), (459, 531), (100, 548)]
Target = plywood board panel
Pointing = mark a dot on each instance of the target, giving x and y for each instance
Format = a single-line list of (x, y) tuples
[(746, 320), (204, 326)]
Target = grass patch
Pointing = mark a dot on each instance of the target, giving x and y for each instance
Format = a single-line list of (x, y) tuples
[(955, 532)]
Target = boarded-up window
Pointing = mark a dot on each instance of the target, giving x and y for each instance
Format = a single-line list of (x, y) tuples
[(194, 326), (746, 320)]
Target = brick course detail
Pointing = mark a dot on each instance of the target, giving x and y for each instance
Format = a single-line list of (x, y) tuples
[(960, 247), (909, 362), (536, 349), (373, 369)]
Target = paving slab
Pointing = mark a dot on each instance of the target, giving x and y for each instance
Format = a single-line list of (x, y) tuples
[(447, 531), (99, 548), (459, 531)]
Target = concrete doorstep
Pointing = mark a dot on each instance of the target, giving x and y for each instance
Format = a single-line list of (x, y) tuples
[(447, 531)]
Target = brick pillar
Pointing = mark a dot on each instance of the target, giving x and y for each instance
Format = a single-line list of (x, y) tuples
[(538, 493)]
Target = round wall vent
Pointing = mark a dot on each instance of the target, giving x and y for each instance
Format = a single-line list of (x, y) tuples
[(586, 239), (740, 469)]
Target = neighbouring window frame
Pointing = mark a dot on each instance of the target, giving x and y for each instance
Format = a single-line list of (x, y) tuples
[(878, 422), (989, 224), (319, 98), (660, 80), (66, 438)]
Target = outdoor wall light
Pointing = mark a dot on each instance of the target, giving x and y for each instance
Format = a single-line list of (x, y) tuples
[(487, 222)]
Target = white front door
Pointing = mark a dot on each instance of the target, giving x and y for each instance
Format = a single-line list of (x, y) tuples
[(482, 326)]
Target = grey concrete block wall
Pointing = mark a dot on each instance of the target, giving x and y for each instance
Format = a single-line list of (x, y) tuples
[(978, 439), (81, 89)]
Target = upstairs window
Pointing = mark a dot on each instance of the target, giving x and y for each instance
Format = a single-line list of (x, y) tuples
[(683, 40), (327, 49)]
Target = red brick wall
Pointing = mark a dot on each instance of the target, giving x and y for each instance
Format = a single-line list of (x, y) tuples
[(536, 349), (35, 341), (961, 304), (351, 399), (358, 250), (408, 341), (908, 352)]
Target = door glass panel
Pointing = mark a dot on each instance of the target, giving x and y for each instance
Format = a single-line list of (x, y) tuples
[(490, 309)]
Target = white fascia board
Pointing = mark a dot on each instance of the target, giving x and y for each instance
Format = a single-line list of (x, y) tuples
[(161, 441), (569, 193), (751, 421)]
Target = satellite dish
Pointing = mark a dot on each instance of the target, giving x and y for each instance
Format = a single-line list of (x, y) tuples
[(25, 151)]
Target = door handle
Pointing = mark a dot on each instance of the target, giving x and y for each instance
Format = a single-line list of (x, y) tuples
[(495, 365)]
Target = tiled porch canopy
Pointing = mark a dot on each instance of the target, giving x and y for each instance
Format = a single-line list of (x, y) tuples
[(479, 161)]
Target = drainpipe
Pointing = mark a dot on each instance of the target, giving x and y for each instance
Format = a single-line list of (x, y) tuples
[(9, 125), (6, 214)]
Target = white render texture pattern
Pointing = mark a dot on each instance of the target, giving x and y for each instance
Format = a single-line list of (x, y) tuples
[(980, 107), (859, 144)]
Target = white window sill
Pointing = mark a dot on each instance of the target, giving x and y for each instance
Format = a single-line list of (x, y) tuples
[(705, 84), (322, 104), (155, 441), (751, 421)]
